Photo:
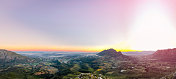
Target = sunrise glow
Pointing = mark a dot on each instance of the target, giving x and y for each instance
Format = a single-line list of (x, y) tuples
[(85, 25)]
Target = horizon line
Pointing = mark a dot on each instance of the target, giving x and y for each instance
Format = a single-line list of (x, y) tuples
[(72, 50)]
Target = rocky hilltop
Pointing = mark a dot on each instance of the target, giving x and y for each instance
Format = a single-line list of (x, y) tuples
[(10, 58), (9, 55), (110, 52), (166, 54)]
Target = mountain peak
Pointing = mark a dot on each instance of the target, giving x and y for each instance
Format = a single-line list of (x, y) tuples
[(110, 52)]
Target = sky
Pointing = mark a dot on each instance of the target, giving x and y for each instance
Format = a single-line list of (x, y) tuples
[(87, 25)]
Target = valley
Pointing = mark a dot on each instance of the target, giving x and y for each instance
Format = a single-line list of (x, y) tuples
[(108, 64)]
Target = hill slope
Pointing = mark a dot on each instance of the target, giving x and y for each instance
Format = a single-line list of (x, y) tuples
[(110, 52), (166, 54), (8, 58), (113, 54)]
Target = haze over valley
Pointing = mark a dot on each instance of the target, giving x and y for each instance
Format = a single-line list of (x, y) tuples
[(87, 39)]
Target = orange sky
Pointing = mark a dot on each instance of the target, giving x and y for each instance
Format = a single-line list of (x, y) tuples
[(69, 49)]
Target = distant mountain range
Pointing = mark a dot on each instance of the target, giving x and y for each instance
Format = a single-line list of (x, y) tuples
[(138, 53), (10, 58), (163, 55)]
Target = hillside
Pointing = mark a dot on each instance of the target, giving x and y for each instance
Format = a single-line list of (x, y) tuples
[(112, 54), (11, 58), (166, 54)]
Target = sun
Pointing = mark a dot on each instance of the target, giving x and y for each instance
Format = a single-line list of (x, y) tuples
[(152, 27)]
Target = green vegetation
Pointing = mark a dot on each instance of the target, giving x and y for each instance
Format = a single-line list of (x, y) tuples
[(91, 67)]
